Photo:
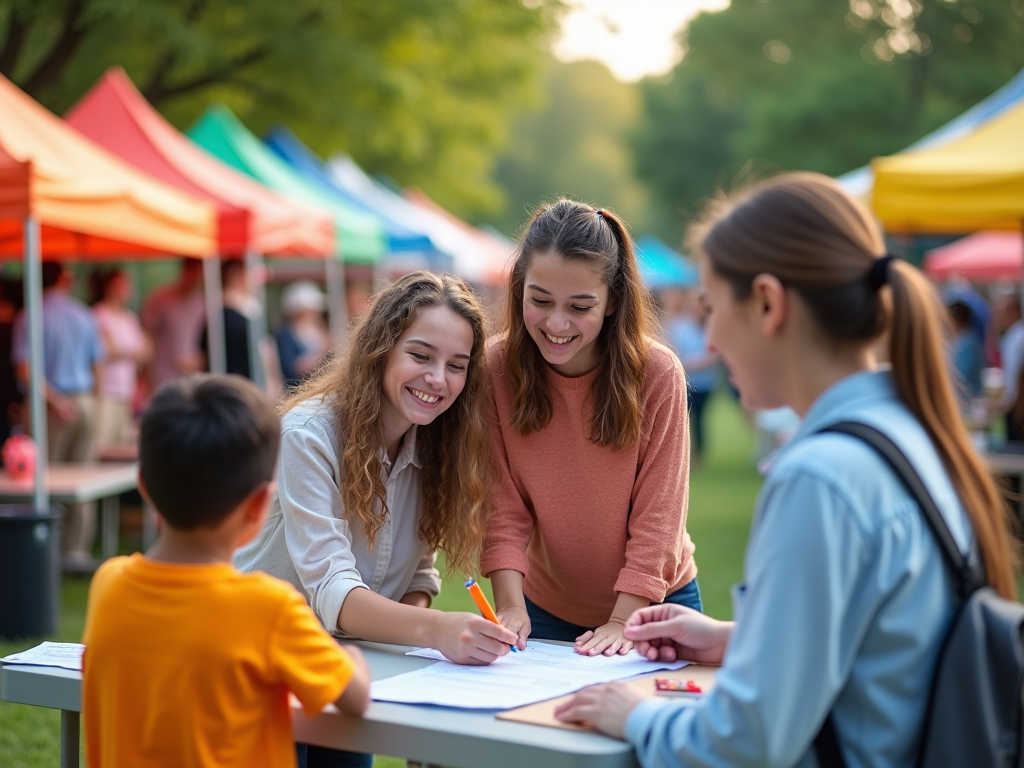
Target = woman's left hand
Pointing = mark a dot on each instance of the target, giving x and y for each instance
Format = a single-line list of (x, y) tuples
[(607, 639), (605, 707)]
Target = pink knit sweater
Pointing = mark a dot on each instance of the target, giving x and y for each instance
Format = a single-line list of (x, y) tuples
[(583, 522)]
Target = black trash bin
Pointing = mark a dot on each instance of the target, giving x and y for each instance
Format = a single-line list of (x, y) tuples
[(29, 571)]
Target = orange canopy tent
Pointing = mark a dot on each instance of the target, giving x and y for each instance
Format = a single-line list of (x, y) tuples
[(116, 116), (88, 202), (62, 196)]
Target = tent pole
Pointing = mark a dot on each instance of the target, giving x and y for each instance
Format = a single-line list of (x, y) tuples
[(258, 322), (215, 343), (337, 305), (37, 376)]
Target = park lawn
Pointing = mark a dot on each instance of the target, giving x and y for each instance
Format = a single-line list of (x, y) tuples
[(722, 494)]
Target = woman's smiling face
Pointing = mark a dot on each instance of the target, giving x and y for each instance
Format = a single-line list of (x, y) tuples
[(427, 369), (565, 302)]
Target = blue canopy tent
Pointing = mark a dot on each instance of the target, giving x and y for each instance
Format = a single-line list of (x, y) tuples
[(403, 240), (479, 257), (861, 181), (662, 267)]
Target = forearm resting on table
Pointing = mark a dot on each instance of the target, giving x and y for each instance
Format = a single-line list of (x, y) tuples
[(369, 616), (508, 589)]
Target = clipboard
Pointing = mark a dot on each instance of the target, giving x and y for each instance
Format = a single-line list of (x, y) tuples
[(543, 712)]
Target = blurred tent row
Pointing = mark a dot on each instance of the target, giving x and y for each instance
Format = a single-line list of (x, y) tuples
[(115, 181)]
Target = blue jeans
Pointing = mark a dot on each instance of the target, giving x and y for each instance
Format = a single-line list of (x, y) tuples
[(309, 756), (547, 626)]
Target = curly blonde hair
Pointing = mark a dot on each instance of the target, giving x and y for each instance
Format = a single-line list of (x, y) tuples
[(455, 448)]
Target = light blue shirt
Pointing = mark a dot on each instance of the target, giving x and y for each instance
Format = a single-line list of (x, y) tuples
[(844, 605), (71, 343)]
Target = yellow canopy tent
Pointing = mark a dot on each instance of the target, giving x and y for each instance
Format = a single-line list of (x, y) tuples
[(968, 185)]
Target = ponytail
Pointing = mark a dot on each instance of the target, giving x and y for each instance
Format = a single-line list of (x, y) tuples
[(922, 381)]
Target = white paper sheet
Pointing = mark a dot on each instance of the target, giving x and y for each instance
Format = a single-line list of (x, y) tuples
[(542, 671), (63, 655)]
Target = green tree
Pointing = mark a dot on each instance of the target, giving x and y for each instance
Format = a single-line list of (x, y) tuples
[(819, 84), (421, 90), (575, 144)]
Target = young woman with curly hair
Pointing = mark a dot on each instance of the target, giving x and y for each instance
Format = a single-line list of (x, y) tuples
[(385, 460)]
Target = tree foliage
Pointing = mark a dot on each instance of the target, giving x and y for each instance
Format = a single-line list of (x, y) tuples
[(420, 90), (818, 84), (575, 144)]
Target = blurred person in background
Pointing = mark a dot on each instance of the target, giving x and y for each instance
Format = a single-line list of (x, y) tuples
[(1011, 349), (173, 317), (241, 309), (685, 330), (302, 340), (967, 354), (72, 354), (127, 348), (238, 311)]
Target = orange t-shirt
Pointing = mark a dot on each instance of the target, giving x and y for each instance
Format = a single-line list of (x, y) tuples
[(191, 665)]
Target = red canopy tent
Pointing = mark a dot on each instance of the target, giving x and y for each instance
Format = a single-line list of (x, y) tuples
[(64, 197), (983, 257), (251, 220), (116, 116)]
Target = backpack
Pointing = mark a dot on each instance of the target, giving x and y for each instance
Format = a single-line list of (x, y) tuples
[(975, 714)]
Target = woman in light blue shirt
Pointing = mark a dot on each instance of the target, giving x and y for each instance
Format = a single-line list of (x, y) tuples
[(846, 599)]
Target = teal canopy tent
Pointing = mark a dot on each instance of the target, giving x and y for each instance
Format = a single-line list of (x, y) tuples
[(662, 267)]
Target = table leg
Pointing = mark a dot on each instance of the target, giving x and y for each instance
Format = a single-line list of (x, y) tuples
[(69, 738), (110, 510)]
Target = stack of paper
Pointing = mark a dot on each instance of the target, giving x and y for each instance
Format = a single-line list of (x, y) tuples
[(542, 671), (63, 655)]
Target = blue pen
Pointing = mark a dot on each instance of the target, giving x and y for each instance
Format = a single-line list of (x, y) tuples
[(485, 608)]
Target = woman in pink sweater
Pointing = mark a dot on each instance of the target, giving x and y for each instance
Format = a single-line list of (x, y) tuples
[(589, 520)]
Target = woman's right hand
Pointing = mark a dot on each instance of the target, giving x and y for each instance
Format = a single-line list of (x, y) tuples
[(668, 632), (517, 620), (466, 638)]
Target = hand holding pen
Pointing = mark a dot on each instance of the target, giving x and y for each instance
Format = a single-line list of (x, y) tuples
[(485, 608)]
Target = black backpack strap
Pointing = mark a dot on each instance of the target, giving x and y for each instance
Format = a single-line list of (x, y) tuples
[(826, 746), (968, 576)]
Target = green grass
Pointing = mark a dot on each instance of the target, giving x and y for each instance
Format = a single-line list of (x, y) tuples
[(722, 494)]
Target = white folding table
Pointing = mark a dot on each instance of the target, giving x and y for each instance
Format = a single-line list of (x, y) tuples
[(451, 737), (81, 484)]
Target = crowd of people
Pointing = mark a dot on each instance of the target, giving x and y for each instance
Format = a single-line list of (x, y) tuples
[(554, 459), (102, 361)]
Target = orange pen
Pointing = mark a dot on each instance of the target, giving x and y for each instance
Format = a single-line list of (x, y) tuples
[(481, 602)]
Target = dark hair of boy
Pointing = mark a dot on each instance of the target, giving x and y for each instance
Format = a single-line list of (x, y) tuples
[(206, 442)]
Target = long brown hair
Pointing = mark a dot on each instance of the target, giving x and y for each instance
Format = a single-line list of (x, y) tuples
[(575, 230), (455, 448), (818, 241)]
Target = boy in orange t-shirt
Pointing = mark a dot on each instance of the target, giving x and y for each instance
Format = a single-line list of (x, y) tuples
[(188, 662)]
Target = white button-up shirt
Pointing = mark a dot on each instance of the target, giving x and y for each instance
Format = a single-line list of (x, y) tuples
[(307, 540)]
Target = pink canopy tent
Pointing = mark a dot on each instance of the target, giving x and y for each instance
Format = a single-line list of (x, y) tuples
[(983, 257)]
